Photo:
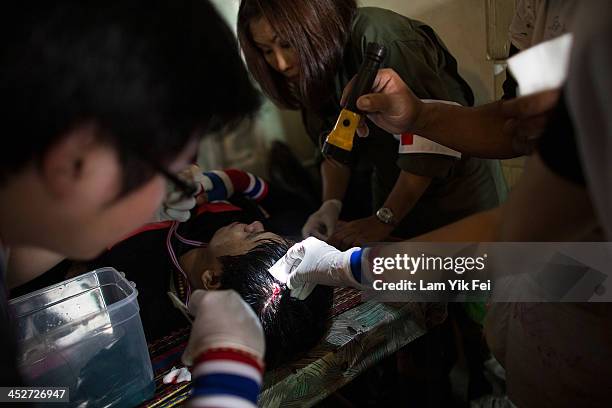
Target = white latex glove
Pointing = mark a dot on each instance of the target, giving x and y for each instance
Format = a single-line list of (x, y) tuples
[(322, 223), (317, 263), (223, 320), (176, 207)]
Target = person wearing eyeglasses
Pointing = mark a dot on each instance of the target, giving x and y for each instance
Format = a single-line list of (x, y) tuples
[(100, 101)]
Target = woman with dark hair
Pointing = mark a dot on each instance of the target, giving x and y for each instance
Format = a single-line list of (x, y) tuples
[(304, 52)]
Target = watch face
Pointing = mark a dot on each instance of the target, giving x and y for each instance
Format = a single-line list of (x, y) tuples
[(385, 215)]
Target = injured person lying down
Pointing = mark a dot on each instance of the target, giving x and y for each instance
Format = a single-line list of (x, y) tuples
[(222, 246)]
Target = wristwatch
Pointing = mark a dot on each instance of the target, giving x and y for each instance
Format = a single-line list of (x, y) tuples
[(386, 216)]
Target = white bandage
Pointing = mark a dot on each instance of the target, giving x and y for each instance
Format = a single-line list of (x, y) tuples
[(411, 143)]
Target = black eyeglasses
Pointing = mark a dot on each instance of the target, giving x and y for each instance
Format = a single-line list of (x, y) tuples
[(187, 189)]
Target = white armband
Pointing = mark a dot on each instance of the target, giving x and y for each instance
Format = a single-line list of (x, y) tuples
[(411, 143)]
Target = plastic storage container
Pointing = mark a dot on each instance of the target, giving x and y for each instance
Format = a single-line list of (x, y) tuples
[(86, 334)]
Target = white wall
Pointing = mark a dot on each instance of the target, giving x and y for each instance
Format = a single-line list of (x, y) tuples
[(461, 25)]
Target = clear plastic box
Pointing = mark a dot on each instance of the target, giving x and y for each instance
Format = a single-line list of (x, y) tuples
[(85, 334)]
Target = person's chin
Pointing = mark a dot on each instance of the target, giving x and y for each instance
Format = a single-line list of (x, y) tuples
[(84, 254)]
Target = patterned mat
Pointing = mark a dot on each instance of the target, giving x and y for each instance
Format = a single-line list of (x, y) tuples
[(166, 353)]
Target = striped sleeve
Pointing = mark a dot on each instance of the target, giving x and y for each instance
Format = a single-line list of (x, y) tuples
[(221, 185), (226, 378)]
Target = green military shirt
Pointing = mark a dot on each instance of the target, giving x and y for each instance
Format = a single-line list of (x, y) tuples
[(416, 53)]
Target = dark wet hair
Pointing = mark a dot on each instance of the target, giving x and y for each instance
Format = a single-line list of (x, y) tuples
[(291, 326), (149, 74)]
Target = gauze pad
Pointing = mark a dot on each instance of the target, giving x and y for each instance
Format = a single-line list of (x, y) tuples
[(282, 268), (281, 271)]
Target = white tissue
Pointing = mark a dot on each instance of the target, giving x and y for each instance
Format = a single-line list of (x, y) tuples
[(281, 270), (543, 66), (177, 375)]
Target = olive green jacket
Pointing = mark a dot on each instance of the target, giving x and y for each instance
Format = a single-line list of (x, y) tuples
[(416, 53)]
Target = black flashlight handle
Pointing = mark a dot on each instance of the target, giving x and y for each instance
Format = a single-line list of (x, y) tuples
[(374, 56)]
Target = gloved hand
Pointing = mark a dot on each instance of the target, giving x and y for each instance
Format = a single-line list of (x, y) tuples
[(317, 263), (177, 207), (223, 320), (322, 223)]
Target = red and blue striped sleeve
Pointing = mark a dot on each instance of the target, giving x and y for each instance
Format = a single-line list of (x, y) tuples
[(226, 378), (221, 185)]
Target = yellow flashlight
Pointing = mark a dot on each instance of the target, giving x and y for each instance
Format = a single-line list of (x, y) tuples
[(339, 143)]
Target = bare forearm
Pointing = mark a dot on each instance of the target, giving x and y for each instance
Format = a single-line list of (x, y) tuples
[(335, 180), (480, 227), (497, 130), (407, 191), (479, 131), (532, 213), (545, 207)]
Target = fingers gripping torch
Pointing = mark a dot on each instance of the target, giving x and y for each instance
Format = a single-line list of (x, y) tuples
[(339, 142)]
